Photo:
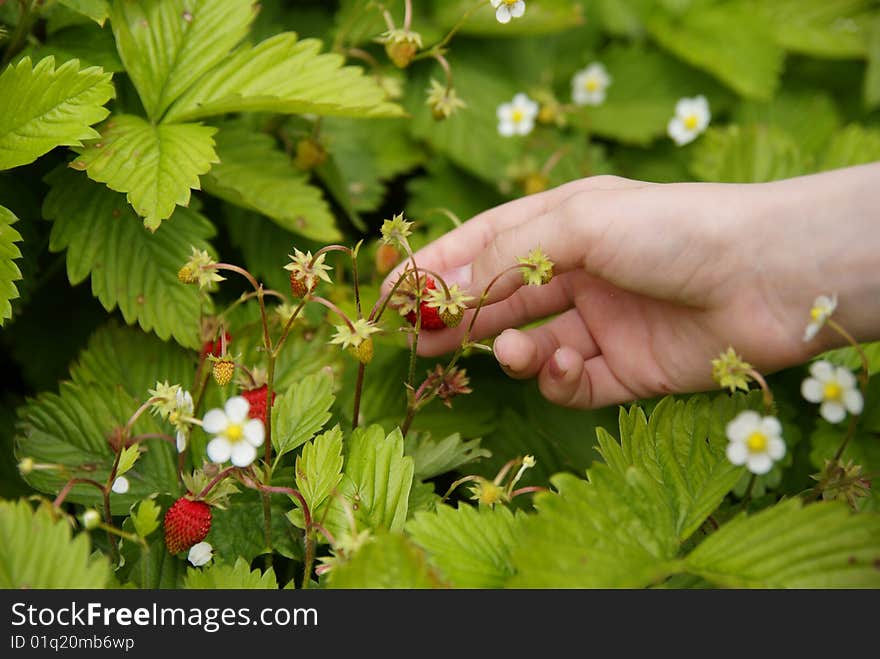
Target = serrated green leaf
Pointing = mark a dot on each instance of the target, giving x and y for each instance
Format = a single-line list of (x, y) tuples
[(125, 356), (284, 75), (254, 174), (156, 166), (150, 567), (729, 41), (435, 457), (376, 483), (822, 28), (611, 531), (822, 545), (403, 566), (72, 429), (854, 145), (750, 154), (146, 517), (682, 447), (646, 85), (127, 459), (129, 267), (849, 357), (42, 107), (301, 412), (97, 10), (469, 546), (37, 550), (9, 271), (168, 45), (319, 469), (546, 16), (234, 577)]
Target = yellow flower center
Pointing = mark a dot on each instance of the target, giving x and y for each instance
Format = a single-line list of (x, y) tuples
[(517, 116), (234, 432), (757, 442), (591, 85), (510, 3), (832, 391), (691, 121), (816, 313)]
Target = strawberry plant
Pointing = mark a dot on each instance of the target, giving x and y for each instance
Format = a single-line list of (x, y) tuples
[(237, 396)]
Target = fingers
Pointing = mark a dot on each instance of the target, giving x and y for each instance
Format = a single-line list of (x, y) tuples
[(567, 379), (524, 354)]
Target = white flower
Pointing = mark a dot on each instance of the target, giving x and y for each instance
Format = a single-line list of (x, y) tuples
[(120, 485), (835, 388), (181, 417), (588, 86), (200, 554), (823, 307), (507, 9), (236, 436), (691, 118), (517, 117), (755, 441)]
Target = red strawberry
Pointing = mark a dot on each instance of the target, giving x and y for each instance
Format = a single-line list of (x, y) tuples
[(187, 522), (257, 400), (298, 285), (430, 316), (215, 347)]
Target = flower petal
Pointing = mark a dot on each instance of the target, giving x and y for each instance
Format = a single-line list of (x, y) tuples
[(759, 463), (811, 389), (737, 453), (243, 454), (506, 128), (219, 449), (832, 412), (254, 433), (518, 9), (525, 126), (811, 331), (853, 401), (215, 422), (776, 448), (822, 370), (181, 441), (237, 409), (743, 425), (503, 14), (844, 377), (770, 426)]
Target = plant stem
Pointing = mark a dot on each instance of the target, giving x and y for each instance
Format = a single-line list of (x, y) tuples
[(850, 433), (768, 395), (358, 391), (210, 486), (748, 496), (440, 45), (840, 329), (62, 495)]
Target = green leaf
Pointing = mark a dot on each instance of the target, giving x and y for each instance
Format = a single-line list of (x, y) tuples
[(469, 546), (127, 459), (87, 42), (284, 75), (255, 175), (9, 271), (169, 45), (849, 357), (682, 448), (403, 565), (749, 154), (624, 18), (129, 267), (822, 545), (729, 41), (854, 145), (542, 17), (234, 577), (301, 412), (146, 518), (822, 28), (42, 107), (319, 469), (611, 531), (72, 428), (646, 85), (376, 483), (97, 10), (432, 457), (239, 530), (126, 357), (37, 550), (872, 74), (155, 165)]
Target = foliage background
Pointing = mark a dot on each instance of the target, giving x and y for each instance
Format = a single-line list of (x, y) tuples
[(794, 87)]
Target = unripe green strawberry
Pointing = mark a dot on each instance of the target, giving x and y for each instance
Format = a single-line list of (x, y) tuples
[(223, 371), (363, 351), (187, 522), (452, 318)]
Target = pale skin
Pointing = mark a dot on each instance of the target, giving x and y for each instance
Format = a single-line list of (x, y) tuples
[(653, 281)]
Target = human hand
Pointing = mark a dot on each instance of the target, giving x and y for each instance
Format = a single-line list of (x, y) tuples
[(653, 281)]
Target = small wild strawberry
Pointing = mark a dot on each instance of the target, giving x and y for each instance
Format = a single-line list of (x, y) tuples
[(187, 522), (387, 256), (223, 370), (305, 272), (257, 399), (430, 316)]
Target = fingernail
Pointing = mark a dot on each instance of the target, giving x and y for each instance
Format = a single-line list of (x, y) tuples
[(556, 370), (460, 276)]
